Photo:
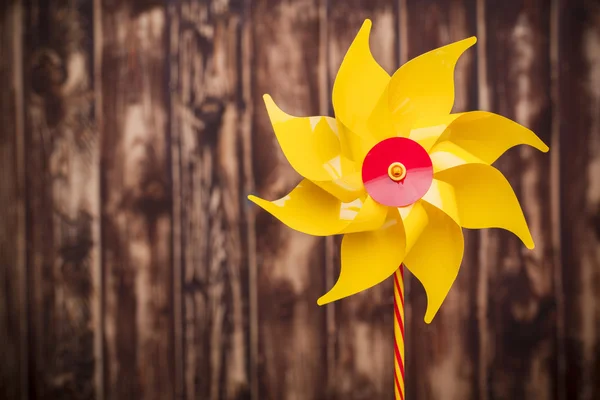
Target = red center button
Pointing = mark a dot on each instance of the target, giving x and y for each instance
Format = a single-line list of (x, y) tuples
[(395, 158)]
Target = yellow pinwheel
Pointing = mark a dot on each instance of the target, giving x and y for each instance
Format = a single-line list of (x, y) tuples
[(397, 173)]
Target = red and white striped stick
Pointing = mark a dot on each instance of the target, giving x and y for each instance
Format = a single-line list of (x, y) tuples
[(399, 332)]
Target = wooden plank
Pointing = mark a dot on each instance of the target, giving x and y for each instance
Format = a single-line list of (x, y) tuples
[(290, 264), (62, 199), (13, 312), (555, 203), (579, 94), (208, 176), (248, 186), (363, 330), (442, 356), (136, 201), (520, 359)]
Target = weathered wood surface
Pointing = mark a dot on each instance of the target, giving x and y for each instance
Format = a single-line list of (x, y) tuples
[(363, 361), (442, 357), (520, 291), (291, 363), (132, 266), (579, 107), (207, 120), (13, 324), (136, 202), (61, 161)]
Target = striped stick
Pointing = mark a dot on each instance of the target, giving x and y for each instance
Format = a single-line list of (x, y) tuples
[(399, 332)]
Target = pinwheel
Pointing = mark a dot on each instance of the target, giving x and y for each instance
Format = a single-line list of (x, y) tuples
[(398, 175)]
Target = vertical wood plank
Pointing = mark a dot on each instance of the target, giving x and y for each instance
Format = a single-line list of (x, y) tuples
[(136, 202), (248, 186), (579, 94), (62, 204), (521, 359), (364, 329), (483, 99), (13, 306), (207, 124), (290, 264), (442, 356), (174, 127), (555, 202)]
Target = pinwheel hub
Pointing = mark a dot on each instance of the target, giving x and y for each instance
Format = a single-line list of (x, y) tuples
[(397, 172)]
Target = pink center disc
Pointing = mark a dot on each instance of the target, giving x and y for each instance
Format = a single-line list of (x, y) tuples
[(395, 154)]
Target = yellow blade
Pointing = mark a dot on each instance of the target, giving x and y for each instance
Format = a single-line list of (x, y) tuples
[(368, 258), (359, 83), (311, 210), (448, 155), (426, 132), (381, 125), (481, 135), (436, 256), (424, 87), (414, 221), (355, 146), (312, 147), (441, 195), (310, 144), (485, 199), (347, 188)]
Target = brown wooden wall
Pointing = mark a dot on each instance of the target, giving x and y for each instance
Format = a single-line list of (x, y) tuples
[(133, 267)]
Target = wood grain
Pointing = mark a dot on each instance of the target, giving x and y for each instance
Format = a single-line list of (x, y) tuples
[(62, 198), (520, 357), (133, 267), (290, 265), (248, 186), (208, 178), (579, 94), (136, 202), (442, 357), (13, 321), (363, 328)]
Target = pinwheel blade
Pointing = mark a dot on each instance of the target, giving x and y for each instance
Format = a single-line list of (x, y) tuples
[(480, 137), (427, 131), (355, 146), (368, 258), (435, 257), (310, 144), (381, 125), (485, 199), (424, 87), (359, 83), (441, 195), (311, 210)]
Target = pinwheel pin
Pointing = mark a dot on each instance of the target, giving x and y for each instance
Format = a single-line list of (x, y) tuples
[(398, 175)]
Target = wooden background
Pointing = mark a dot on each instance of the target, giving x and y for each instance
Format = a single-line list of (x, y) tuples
[(133, 267)]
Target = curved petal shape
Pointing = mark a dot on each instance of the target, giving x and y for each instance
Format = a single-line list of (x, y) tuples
[(347, 188), (381, 125), (436, 256), (355, 146), (484, 136), (310, 144), (359, 83), (414, 221), (448, 155), (368, 258), (311, 210), (424, 87), (485, 199), (441, 195), (427, 132)]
